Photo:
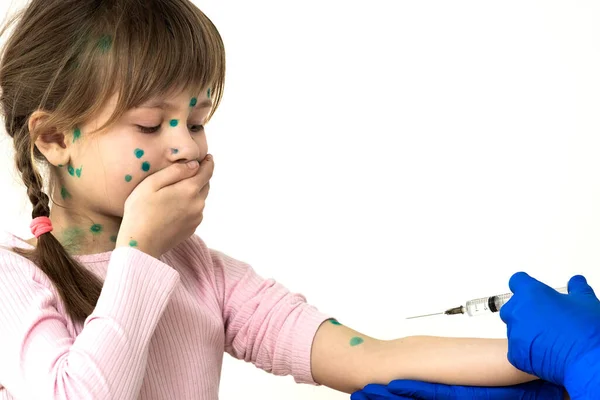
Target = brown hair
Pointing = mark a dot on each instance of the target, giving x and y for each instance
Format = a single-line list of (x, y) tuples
[(68, 57)]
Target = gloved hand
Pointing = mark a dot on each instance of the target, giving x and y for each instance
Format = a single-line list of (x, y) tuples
[(407, 389), (555, 336)]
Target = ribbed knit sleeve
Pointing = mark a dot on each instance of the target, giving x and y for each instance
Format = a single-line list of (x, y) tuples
[(265, 323), (107, 360)]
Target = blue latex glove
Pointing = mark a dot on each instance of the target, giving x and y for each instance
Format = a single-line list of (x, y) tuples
[(555, 336), (406, 389)]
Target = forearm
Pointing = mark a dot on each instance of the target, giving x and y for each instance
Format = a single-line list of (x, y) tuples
[(340, 365), (453, 361)]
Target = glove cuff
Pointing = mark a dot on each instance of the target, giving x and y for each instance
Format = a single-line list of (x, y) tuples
[(582, 379)]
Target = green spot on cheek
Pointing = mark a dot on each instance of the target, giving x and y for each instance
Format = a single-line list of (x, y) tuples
[(76, 134), (174, 123), (132, 243), (208, 93), (113, 239), (64, 193), (128, 178), (78, 172), (355, 341), (96, 229), (334, 322), (71, 170), (139, 153), (105, 43), (193, 102), (146, 166)]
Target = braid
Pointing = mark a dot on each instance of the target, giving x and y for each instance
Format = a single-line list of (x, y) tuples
[(78, 288)]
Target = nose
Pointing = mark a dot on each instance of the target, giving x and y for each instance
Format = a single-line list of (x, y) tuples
[(183, 146)]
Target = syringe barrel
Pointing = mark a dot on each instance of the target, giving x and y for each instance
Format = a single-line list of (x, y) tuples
[(492, 304)]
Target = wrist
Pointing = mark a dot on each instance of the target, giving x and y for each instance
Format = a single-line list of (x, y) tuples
[(582, 378)]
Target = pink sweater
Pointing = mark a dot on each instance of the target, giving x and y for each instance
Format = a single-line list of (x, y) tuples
[(159, 329)]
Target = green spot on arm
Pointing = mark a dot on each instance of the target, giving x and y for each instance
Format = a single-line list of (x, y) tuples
[(355, 341), (334, 322), (133, 243)]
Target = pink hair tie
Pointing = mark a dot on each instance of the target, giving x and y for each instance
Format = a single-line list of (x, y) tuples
[(40, 225)]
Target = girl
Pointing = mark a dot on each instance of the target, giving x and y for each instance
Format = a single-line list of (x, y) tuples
[(115, 297)]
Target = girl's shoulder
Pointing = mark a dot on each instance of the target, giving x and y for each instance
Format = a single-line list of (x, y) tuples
[(15, 266)]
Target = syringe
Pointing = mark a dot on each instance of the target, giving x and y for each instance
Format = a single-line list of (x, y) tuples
[(483, 305)]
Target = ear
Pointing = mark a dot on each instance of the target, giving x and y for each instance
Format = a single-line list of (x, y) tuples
[(50, 142)]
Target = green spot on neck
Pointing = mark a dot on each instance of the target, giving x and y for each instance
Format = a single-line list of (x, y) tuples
[(174, 123), (71, 170), (133, 243), (193, 102), (76, 134), (145, 166), (208, 93), (355, 341), (105, 43), (334, 322), (72, 238), (96, 229), (139, 153), (128, 178), (64, 193), (78, 172)]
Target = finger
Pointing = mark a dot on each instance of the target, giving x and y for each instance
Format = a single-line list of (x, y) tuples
[(172, 174), (522, 281), (380, 392), (578, 284), (420, 390), (358, 396)]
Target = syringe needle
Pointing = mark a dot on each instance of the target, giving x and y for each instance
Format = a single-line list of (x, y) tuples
[(426, 315)]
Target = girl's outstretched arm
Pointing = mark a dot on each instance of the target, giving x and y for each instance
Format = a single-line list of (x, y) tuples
[(346, 360)]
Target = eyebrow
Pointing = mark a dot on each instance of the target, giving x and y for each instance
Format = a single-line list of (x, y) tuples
[(170, 106)]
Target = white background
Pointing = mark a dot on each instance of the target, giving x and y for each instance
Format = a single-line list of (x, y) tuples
[(393, 158)]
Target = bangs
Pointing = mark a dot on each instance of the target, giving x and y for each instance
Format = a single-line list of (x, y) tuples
[(151, 48)]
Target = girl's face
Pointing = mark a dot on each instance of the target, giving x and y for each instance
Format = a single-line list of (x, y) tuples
[(105, 167)]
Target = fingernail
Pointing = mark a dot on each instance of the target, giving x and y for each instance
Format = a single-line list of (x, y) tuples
[(208, 157), (192, 164)]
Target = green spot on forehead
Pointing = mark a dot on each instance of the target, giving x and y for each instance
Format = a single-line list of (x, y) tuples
[(174, 123), (96, 228), (146, 166), (193, 102), (105, 43), (76, 134), (128, 178), (139, 153)]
